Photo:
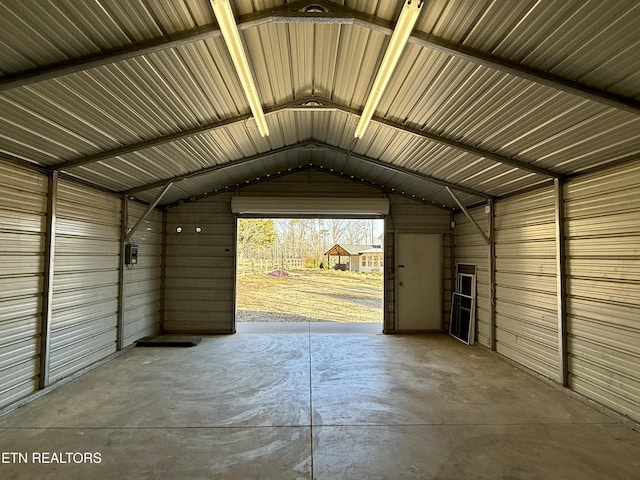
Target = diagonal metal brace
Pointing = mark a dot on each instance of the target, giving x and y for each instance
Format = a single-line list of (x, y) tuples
[(466, 212), (153, 205)]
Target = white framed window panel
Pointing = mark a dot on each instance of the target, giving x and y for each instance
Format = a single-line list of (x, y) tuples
[(463, 315)]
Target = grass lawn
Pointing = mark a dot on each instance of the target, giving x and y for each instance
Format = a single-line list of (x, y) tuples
[(310, 295)]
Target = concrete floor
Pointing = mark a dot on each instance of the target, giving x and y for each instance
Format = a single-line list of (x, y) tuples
[(302, 401)]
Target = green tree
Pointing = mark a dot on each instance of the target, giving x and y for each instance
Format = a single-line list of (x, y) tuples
[(255, 237)]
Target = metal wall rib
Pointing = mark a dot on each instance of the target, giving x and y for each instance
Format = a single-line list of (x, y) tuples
[(603, 285), (470, 248), (526, 307), (23, 205), (85, 297), (142, 281)]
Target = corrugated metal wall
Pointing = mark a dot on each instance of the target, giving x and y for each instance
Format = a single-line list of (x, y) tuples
[(85, 285), (526, 303), (200, 275), (85, 280), (23, 205), (408, 216), (310, 183), (602, 231), (143, 280), (200, 267), (470, 248)]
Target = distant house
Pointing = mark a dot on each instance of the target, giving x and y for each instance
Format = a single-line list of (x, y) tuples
[(357, 258)]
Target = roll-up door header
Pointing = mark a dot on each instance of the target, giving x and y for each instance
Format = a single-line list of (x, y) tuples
[(301, 206)]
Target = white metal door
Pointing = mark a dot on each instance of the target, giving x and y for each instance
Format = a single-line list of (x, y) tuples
[(419, 281)]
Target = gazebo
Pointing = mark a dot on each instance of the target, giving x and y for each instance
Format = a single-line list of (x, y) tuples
[(357, 258)]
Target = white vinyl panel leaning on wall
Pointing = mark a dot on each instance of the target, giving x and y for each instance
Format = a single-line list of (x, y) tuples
[(470, 248)]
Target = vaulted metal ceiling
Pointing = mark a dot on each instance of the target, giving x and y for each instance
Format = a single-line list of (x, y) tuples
[(489, 97)]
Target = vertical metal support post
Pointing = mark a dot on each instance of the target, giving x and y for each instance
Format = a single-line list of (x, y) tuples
[(163, 269), (385, 296), (452, 260), (124, 214), (47, 286), (492, 273), (389, 276), (561, 278), (234, 252)]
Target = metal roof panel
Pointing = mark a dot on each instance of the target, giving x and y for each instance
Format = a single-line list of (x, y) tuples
[(178, 89)]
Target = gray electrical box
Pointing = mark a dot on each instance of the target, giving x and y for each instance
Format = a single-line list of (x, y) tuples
[(130, 254)]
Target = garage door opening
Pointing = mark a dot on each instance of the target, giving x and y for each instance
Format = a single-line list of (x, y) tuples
[(318, 270)]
